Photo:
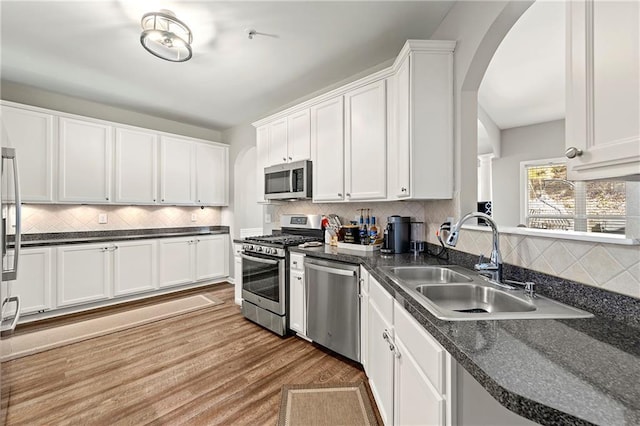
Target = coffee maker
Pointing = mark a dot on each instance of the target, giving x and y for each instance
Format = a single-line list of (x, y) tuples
[(397, 235)]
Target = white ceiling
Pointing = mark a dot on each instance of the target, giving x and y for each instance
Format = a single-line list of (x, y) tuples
[(91, 50), (525, 81)]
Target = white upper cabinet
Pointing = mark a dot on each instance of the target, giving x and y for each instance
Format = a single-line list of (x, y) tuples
[(212, 171), (85, 153), (327, 148), (421, 136), (136, 166), (177, 167), (299, 136), (278, 142), (366, 142), (262, 159), (603, 89), (289, 138), (31, 133)]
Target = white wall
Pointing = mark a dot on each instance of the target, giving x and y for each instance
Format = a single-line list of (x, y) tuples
[(535, 142), (28, 95)]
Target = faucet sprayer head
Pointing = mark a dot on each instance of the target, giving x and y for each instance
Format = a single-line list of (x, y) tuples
[(452, 239)]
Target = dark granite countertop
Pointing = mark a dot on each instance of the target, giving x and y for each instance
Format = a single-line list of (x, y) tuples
[(555, 372), (64, 238)]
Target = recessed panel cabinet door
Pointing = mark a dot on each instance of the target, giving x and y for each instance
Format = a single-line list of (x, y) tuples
[(297, 314), (135, 267), (83, 273), (176, 257), (212, 172), (212, 257), (365, 142), (136, 166), (31, 134), (177, 174), (34, 281), (85, 150), (278, 142), (327, 148), (299, 136)]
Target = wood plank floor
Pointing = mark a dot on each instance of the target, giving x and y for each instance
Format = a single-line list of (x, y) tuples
[(208, 367)]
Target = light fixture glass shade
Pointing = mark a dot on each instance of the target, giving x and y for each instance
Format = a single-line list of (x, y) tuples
[(165, 36)]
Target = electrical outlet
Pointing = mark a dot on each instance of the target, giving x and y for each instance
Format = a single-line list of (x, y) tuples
[(102, 218), (194, 217), (267, 218)]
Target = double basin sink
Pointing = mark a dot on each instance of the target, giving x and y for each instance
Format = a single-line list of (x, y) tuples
[(454, 293)]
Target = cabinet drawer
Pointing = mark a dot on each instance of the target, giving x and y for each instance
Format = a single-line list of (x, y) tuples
[(296, 262), (428, 353), (382, 299)]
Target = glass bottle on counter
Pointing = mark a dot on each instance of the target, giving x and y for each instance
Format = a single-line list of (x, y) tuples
[(364, 231), (373, 231)]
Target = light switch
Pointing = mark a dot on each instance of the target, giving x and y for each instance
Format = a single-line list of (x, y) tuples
[(194, 217), (102, 218), (267, 218)]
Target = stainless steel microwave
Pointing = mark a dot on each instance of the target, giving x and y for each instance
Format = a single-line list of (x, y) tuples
[(289, 181)]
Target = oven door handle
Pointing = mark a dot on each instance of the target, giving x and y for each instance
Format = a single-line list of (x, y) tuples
[(259, 259)]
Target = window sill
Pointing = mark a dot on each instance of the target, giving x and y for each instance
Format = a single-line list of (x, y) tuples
[(565, 235)]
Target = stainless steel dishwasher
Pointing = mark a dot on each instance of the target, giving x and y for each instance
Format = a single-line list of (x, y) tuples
[(333, 305)]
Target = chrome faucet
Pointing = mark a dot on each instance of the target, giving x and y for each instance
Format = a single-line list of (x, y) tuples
[(492, 269)]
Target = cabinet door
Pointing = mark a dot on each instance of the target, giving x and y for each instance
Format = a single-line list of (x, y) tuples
[(212, 257), (135, 267), (83, 273), (401, 145), (299, 136), (31, 133), (34, 280), (366, 142), (416, 401), (380, 358), (136, 166), (176, 257), (278, 142), (603, 103), (85, 161), (327, 147), (237, 277), (177, 171), (262, 159), (212, 171), (297, 311)]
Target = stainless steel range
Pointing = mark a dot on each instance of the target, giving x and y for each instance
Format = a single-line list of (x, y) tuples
[(265, 270)]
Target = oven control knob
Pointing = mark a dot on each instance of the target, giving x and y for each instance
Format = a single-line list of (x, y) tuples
[(259, 249)]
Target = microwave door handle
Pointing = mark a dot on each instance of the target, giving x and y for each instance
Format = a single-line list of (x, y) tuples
[(291, 172)]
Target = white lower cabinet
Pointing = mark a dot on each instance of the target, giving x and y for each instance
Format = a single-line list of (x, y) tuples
[(176, 256), (34, 280), (297, 300), (410, 374), (212, 257), (135, 267), (380, 358), (84, 273), (237, 273)]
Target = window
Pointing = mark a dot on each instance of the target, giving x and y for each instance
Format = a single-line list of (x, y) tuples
[(553, 202)]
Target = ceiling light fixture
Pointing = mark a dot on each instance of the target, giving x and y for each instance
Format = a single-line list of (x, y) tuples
[(165, 36)]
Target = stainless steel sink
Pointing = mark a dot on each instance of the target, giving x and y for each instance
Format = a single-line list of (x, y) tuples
[(473, 298), (429, 274), (458, 294)]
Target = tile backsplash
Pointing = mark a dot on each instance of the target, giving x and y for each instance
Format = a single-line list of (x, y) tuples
[(40, 218), (612, 267)]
